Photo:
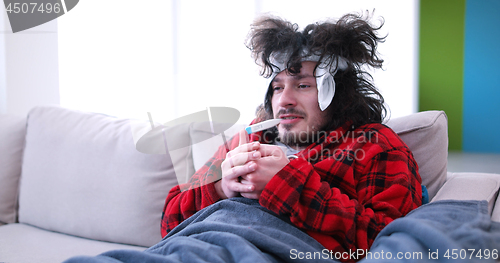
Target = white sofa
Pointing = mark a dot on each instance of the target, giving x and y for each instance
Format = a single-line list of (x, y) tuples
[(73, 183)]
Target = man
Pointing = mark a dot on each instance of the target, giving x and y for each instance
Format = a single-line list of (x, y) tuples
[(344, 176), (341, 180)]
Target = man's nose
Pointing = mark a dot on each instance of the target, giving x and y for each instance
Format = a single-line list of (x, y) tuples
[(288, 98)]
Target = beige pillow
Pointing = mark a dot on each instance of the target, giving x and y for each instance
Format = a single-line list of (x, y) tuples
[(161, 139), (12, 133), (426, 134), (82, 176)]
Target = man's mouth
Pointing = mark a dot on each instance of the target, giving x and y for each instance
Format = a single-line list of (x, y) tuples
[(290, 118)]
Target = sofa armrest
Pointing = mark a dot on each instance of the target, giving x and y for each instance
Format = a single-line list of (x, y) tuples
[(472, 186)]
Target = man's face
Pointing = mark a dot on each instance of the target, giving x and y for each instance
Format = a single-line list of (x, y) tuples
[(295, 100)]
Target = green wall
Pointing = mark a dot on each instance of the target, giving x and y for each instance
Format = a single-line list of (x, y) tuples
[(441, 58)]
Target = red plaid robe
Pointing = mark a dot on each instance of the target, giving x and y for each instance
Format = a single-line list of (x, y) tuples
[(341, 191)]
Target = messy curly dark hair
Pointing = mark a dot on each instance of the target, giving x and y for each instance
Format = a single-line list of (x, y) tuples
[(352, 37)]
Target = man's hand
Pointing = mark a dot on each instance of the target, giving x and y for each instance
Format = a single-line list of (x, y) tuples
[(239, 162), (272, 161)]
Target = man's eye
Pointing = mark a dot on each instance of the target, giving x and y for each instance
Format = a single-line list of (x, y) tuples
[(304, 86), (275, 89)]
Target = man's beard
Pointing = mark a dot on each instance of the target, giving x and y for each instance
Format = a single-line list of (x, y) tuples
[(302, 138)]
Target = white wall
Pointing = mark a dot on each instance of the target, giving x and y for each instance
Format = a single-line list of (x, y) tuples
[(214, 66), (178, 57), (28, 67), (118, 58)]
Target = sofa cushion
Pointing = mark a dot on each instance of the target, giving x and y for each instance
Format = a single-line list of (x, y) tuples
[(82, 176), (470, 186), (166, 138), (22, 243), (426, 134), (12, 134)]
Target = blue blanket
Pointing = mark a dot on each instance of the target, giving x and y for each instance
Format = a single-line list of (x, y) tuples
[(240, 230), (442, 231)]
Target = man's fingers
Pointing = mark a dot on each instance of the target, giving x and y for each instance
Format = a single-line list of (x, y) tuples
[(251, 195), (239, 187), (240, 170), (244, 148), (243, 137), (270, 150), (233, 187), (243, 158)]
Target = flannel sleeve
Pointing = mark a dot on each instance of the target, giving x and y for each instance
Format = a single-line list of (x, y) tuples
[(384, 187), (185, 200), (181, 204)]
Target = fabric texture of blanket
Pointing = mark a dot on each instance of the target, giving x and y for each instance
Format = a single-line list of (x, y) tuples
[(240, 230), (442, 231)]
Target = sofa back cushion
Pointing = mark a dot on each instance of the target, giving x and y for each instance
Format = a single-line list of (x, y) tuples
[(12, 133), (175, 140), (82, 176)]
